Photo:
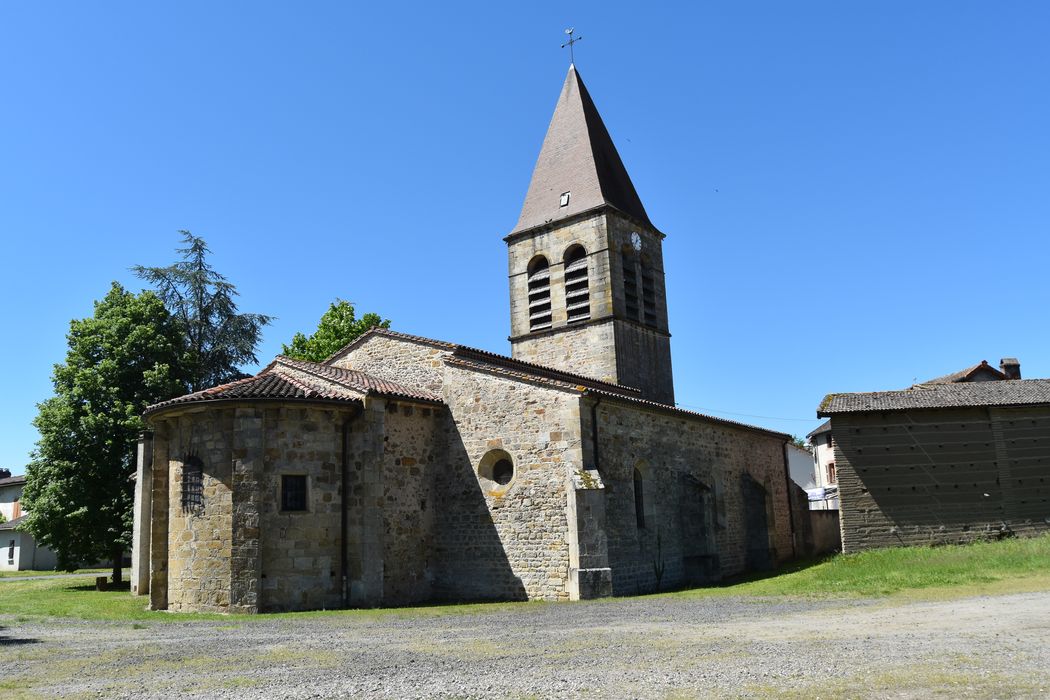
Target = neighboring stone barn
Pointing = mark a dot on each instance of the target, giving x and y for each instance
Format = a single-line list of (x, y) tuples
[(959, 458), (405, 469)]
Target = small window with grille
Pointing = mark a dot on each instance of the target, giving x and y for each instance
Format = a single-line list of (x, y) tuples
[(539, 294), (293, 492), (577, 287), (192, 485)]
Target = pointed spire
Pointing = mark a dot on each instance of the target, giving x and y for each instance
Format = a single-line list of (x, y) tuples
[(578, 157)]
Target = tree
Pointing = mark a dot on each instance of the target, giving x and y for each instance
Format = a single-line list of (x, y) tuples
[(338, 326), (217, 339), (801, 443), (78, 491)]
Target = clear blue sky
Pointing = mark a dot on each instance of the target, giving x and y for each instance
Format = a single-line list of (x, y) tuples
[(855, 195)]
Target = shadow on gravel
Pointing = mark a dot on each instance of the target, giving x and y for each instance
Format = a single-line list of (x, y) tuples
[(6, 641)]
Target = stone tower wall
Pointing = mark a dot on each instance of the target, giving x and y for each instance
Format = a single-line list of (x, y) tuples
[(612, 345)]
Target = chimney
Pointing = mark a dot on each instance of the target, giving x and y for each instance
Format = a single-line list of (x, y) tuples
[(5, 473), (1010, 367)]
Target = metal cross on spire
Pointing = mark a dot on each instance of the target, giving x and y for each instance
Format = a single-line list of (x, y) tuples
[(572, 40)]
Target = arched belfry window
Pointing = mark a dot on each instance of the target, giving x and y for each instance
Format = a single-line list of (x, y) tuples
[(577, 287), (648, 294), (539, 294), (630, 285)]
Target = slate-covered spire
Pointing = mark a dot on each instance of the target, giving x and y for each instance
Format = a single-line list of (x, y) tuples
[(577, 157)]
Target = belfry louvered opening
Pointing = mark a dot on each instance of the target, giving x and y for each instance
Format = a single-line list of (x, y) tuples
[(630, 285), (539, 294), (648, 295), (577, 286)]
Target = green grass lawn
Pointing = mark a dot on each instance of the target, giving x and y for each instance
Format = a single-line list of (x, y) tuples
[(985, 567), (52, 572)]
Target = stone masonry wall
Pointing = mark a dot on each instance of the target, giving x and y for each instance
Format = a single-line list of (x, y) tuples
[(300, 549), (413, 364), (505, 542), (413, 453), (553, 243), (693, 468), (588, 349), (942, 476), (200, 542)]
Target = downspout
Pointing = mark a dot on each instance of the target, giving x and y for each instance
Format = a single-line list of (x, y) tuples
[(791, 508), (594, 429), (344, 516)]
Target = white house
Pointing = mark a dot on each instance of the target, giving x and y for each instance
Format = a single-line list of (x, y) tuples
[(824, 493), (18, 550)]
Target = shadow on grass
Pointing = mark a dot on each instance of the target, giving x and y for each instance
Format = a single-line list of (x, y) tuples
[(123, 586)]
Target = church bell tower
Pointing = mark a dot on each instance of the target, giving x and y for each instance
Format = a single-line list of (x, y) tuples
[(587, 288)]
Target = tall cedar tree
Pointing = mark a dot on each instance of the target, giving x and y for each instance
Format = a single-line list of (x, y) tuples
[(79, 491), (338, 326), (217, 338)]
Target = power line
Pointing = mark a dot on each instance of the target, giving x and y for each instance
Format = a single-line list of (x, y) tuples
[(746, 415)]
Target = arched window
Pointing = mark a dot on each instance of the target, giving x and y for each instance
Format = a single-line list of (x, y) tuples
[(648, 294), (577, 288), (539, 294), (639, 499), (630, 285)]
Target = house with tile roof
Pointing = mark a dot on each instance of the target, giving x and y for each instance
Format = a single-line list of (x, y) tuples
[(962, 457), (405, 469), (18, 550)]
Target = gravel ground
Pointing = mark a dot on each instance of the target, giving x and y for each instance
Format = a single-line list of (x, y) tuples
[(650, 647)]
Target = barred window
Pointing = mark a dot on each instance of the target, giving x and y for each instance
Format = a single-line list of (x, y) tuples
[(293, 492), (192, 484)]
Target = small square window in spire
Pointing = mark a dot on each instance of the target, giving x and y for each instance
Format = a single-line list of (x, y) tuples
[(564, 199)]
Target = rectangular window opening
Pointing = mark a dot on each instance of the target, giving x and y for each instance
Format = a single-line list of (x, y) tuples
[(293, 492)]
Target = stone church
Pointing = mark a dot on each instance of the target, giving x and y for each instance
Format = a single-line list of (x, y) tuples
[(406, 469)]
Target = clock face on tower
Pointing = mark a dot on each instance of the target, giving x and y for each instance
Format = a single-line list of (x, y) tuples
[(636, 241)]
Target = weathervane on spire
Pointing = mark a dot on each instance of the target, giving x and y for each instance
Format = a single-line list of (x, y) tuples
[(572, 40)]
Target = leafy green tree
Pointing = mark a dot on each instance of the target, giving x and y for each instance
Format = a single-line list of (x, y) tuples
[(217, 338), (338, 326), (78, 491)]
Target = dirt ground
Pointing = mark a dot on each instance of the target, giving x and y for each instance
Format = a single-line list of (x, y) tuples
[(650, 647)]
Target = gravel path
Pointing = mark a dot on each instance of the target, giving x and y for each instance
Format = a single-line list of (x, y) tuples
[(650, 647)]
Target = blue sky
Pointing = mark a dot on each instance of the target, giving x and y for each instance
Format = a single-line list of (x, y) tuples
[(855, 195)]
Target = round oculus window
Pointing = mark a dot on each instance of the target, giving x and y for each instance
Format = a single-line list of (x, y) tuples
[(496, 472)]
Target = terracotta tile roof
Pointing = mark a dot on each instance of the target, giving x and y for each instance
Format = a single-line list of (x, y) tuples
[(286, 379), (357, 381), (1016, 392), (578, 157)]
